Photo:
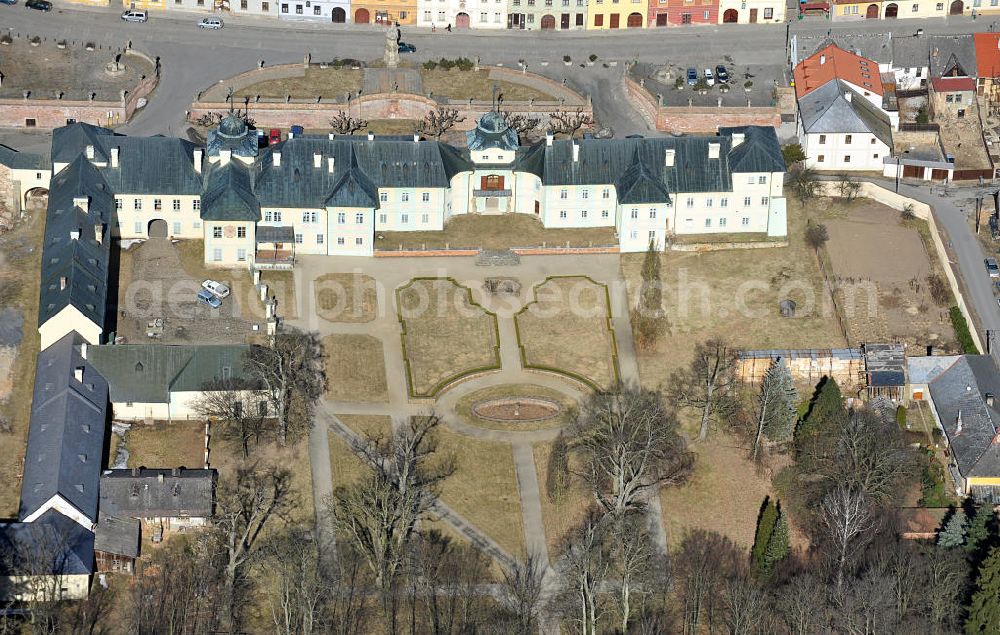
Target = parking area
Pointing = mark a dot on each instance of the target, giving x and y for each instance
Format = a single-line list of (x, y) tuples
[(159, 283), (671, 82)]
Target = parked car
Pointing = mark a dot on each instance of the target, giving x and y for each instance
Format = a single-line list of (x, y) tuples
[(407, 48), (135, 15), (10, 2), (40, 5), (296, 130), (721, 74), (709, 78), (992, 268), (274, 135), (210, 23), (218, 289), (205, 297), (692, 76)]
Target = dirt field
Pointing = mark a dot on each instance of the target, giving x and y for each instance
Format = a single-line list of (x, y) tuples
[(159, 280), (724, 495), (166, 444), (346, 297), (45, 69), (355, 368), (458, 84), (734, 295), (566, 329), (471, 231), (20, 255), (875, 253), (328, 83), (446, 335)]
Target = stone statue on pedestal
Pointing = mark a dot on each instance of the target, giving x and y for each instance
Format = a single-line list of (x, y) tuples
[(391, 55)]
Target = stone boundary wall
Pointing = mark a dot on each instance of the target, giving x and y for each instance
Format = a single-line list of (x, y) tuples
[(520, 251), (697, 119), (53, 113), (922, 211), (696, 247)]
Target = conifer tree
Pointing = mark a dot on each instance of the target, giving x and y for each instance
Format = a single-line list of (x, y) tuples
[(953, 534), (980, 529), (825, 409), (778, 545), (984, 612), (779, 392), (765, 527)]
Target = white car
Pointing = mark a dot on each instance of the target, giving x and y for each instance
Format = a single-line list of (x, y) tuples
[(135, 15), (211, 23), (217, 289), (709, 78)]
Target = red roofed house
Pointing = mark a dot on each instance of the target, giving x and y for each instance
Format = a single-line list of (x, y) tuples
[(988, 62), (951, 98), (832, 62)]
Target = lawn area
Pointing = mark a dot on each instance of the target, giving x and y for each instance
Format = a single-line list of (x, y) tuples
[(355, 368), (445, 334), (559, 514), (734, 295), (566, 329), (724, 494), (472, 231), (346, 467), (346, 297), (166, 444), (458, 84), (484, 488), (463, 408), (20, 260), (328, 83)]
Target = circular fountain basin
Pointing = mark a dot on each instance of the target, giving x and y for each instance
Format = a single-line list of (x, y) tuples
[(517, 409)]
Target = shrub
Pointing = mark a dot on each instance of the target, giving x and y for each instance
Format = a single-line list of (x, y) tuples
[(679, 83), (593, 57), (465, 64), (922, 116), (446, 64), (816, 235), (430, 65), (901, 417), (792, 153), (35, 40), (940, 292), (962, 332), (6, 39), (567, 59), (907, 212), (748, 84)]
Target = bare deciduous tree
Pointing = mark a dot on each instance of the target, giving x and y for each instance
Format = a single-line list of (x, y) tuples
[(570, 122), (439, 121), (630, 446), (947, 576), (295, 588), (521, 593), (291, 371), (380, 514), (255, 497), (801, 603), (236, 408), (707, 385), (702, 563), (521, 124), (633, 556), (848, 523), (746, 605), (584, 564), (344, 123)]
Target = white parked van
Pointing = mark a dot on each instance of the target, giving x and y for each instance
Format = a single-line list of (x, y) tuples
[(135, 15)]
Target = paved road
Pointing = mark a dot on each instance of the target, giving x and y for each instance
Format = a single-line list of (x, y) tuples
[(193, 58)]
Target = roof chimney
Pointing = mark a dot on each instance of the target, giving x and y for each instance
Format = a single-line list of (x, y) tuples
[(848, 96), (822, 59), (99, 233), (330, 136), (198, 154), (225, 156), (90, 152), (713, 150), (989, 399), (78, 374), (958, 423), (317, 160), (668, 157), (83, 202), (276, 159), (74, 234), (371, 136), (330, 162), (416, 137), (63, 281), (159, 477), (548, 138), (83, 350), (576, 152), (738, 138), (114, 157)]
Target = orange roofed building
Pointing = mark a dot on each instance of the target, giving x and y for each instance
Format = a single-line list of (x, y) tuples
[(988, 63), (831, 62)]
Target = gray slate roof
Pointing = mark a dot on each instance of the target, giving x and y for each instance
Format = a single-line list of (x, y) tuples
[(826, 110), (759, 152), (168, 493), (873, 46), (66, 431), (117, 535), (923, 370), (952, 55), (960, 391), (910, 51), (70, 141), (52, 544), (82, 262), (148, 373), (23, 160), (232, 134), (152, 165), (228, 194), (491, 132), (354, 189)]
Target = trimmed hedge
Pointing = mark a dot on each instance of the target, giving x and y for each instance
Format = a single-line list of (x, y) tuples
[(962, 331)]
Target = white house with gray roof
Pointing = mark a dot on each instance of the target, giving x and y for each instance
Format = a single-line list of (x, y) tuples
[(841, 130), (334, 194)]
